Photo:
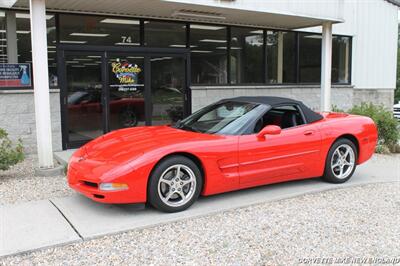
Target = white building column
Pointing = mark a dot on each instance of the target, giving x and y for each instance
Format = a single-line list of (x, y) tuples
[(41, 83), (326, 66)]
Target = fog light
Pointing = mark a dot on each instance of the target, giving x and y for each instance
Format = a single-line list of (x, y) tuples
[(113, 186)]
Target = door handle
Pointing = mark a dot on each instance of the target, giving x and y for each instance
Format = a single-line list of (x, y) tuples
[(308, 132)]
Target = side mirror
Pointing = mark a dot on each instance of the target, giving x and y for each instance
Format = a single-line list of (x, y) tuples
[(269, 130)]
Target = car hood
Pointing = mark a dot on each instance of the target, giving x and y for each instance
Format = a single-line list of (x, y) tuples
[(127, 144)]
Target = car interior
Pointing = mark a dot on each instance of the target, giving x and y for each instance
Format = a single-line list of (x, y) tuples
[(282, 116)]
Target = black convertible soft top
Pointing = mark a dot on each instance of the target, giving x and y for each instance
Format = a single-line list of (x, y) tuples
[(272, 101)]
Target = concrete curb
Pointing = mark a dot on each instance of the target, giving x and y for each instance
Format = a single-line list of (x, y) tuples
[(56, 171)]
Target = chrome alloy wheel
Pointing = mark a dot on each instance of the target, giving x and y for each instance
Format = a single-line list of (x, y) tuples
[(177, 185), (343, 161)]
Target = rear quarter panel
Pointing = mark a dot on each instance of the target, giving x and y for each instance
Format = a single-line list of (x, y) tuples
[(335, 126)]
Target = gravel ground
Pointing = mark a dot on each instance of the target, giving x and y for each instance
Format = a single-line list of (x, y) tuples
[(357, 222), (20, 184)]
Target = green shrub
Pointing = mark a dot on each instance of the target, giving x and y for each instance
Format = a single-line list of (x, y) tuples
[(382, 149), (337, 109), (9, 154), (388, 133)]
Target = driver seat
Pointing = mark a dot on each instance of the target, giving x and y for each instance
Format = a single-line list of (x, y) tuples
[(289, 119)]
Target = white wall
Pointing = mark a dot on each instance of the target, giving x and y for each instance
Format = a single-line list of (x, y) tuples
[(373, 25), (332, 9)]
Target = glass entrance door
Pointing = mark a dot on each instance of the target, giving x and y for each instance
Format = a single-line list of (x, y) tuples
[(126, 91), (104, 91), (83, 97)]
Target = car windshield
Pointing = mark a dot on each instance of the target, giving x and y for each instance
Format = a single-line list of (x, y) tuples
[(226, 118)]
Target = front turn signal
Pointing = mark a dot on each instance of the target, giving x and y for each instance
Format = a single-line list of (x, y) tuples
[(113, 186)]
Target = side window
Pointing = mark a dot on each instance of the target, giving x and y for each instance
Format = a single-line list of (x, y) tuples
[(286, 116)]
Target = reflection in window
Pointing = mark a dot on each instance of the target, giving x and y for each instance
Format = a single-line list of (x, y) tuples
[(165, 34), (84, 90), (341, 59), (99, 30), (273, 64), (246, 55), (167, 89), (208, 54), (309, 58)]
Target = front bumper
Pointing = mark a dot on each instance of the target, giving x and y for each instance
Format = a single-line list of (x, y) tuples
[(89, 187)]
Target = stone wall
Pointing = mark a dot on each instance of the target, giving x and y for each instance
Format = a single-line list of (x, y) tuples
[(344, 97), (17, 117), (376, 96)]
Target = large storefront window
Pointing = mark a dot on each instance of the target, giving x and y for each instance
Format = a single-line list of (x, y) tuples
[(164, 34), (247, 53), (208, 54), (99, 30), (309, 58), (256, 55), (341, 46)]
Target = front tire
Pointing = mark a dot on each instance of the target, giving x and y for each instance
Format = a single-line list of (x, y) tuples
[(175, 184), (341, 161)]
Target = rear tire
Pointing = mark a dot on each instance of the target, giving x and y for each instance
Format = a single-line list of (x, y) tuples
[(341, 161), (175, 184)]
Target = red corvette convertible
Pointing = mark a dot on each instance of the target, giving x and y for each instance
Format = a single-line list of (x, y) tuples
[(233, 144)]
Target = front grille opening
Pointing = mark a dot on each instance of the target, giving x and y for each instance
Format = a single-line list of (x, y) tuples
[(90, 184), (98, 196)]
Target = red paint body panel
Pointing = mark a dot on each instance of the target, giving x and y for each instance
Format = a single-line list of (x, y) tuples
[(228, 162)]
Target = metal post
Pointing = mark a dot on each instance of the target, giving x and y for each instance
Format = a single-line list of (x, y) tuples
[(326, 66), (12, 48), (41, 83), (280, 57)]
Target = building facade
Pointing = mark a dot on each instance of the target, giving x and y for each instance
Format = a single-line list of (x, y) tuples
[(116, 64)]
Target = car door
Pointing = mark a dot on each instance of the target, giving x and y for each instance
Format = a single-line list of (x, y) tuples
[(292, 154)]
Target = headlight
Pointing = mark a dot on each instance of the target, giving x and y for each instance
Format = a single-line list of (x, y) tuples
[(113, 186)]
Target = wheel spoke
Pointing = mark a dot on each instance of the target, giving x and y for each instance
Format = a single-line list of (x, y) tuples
[(189, 181), (169, 195), (341, 170), (346, 154), (165, 181), (335, 165), (178, 172), (181, 194)]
